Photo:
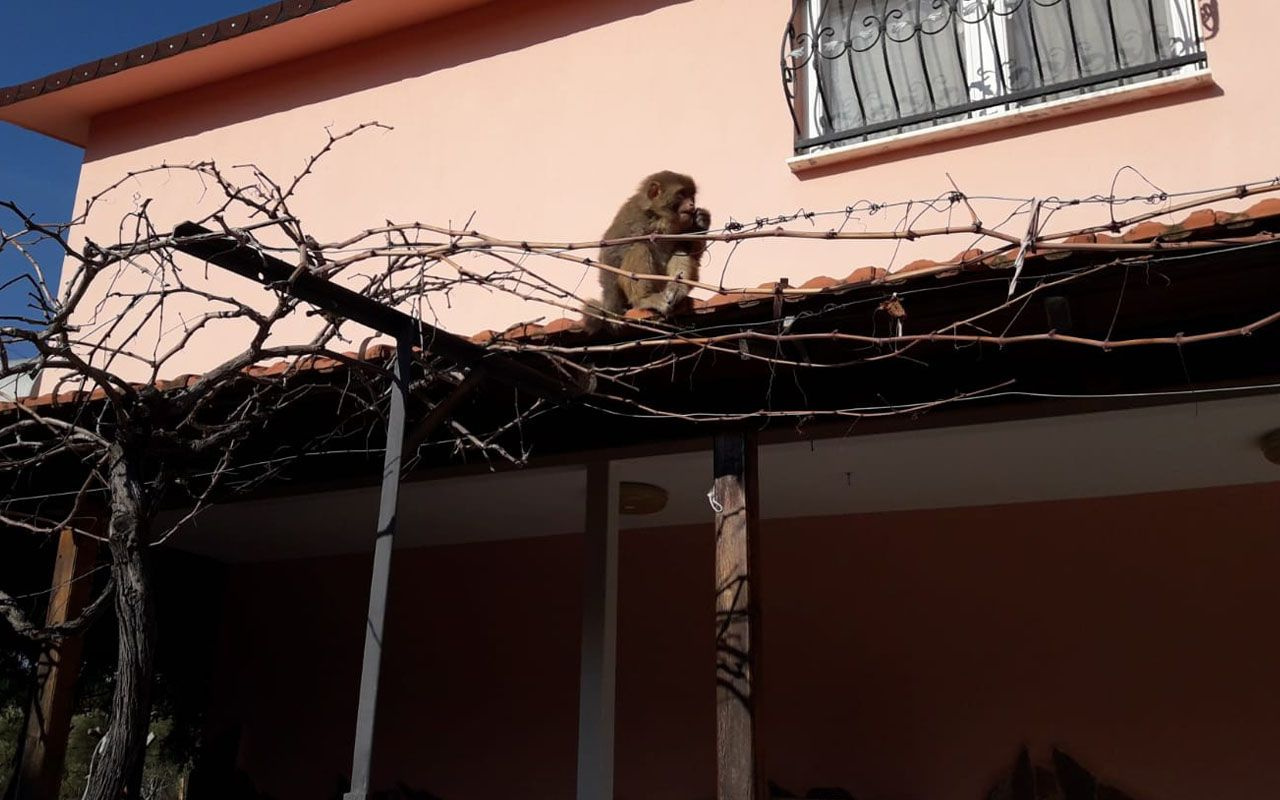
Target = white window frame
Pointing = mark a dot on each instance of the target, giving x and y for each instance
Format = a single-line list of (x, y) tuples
[(981, 51)]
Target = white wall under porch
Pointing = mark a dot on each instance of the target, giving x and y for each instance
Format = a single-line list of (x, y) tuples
[(1155, 449)]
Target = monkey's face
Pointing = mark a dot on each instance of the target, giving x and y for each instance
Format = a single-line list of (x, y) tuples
[(688, 205), (683, 207), (671, 198)]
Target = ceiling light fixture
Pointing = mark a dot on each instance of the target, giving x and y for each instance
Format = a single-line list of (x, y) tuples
[(641, 498), (1270, 445)]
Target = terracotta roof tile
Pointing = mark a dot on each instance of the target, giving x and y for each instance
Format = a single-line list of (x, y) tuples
[(864, 275), (138, 56), (305, 364), (731, 298), (1269, 207), (521, 331), (1204, 218), (916, 266), (820, 282), (1145, 232), (559, 325)]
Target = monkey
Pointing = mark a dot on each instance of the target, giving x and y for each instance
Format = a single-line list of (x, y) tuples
[(665, 203)]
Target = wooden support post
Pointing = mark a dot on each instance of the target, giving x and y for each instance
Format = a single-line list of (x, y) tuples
[(739, 772), (599, 636), (44, 746)]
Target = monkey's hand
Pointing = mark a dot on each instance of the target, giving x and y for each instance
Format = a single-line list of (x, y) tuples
[(673, 296), (701, 220)]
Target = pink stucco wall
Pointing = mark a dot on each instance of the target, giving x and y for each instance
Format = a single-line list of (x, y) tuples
[(907, 655), (539, 116)]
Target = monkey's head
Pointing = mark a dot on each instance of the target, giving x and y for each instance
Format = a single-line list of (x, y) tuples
[(671, 197)]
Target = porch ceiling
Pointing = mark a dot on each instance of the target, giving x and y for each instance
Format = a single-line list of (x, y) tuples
[(1135, 451)]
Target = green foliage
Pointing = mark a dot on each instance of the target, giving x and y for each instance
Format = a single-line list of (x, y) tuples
[(165, 766), (188, 607), (162, 773), (165, 769), (11, 718), (86, 730)]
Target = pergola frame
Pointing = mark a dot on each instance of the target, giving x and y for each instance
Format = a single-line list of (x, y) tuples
[(737, 513), (1212, 289)]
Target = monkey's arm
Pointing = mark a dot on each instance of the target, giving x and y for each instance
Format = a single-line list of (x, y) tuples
[(685, 267), (639, 260), (685, 263)]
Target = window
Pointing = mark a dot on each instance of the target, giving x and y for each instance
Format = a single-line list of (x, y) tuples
[(855, 70)]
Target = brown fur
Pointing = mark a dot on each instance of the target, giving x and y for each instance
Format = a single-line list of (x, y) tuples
[(665, 203)]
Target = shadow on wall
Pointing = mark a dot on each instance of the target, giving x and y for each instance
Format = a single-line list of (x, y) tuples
[(239, 786), (1210, 22), (401, 792), (498, 27), (1064, 779), (216, 777)]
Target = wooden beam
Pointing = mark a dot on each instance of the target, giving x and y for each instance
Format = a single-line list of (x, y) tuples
[(44, 746), (244, 259), (599, 636), (739, 771), (441, 413)]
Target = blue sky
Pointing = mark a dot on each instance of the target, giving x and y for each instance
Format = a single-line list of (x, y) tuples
[(38, 38)]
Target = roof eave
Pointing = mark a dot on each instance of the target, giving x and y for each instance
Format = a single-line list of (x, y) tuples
[(63, 104)]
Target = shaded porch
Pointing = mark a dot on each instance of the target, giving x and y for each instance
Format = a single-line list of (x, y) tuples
[(932, 600)]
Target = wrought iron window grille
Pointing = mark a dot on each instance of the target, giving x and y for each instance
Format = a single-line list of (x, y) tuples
[(856, 70)]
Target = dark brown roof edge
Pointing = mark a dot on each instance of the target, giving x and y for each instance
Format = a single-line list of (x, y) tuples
[(229, 28)]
